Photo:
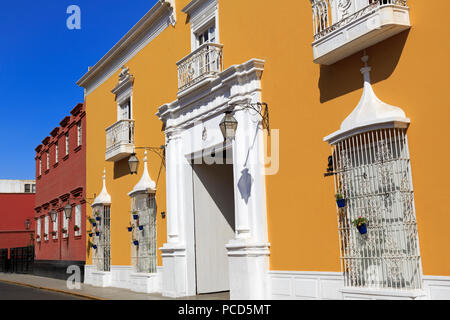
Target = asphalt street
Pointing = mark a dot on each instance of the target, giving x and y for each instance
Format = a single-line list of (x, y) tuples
[(15, 292)]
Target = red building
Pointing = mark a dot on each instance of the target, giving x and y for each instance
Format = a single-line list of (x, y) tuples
[(17, 200), (61, 183)]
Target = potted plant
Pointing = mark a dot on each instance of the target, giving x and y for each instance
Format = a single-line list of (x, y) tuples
[(340, 200), (130, 228), (45, 236), (76, 228), (38, 237), (94, 246), (97, 216), (136, 243), (64, 230), (97, 232), (361, 224), (90, 233), (135, 215), (53, 233), (141, 228)]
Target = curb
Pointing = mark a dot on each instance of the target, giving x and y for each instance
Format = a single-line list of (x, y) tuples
[(52, 290)]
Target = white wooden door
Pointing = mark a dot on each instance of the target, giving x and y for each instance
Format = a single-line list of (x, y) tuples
[(214, 225)]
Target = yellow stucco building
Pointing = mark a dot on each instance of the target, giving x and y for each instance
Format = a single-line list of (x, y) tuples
[(242, 211)]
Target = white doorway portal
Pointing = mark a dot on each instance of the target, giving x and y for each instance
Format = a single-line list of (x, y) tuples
[(214, 222)]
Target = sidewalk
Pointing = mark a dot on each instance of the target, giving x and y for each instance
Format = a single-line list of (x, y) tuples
[(94, 293)]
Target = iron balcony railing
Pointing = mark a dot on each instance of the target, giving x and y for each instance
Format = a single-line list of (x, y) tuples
[(331, 15), (120, 133), (204, 62)]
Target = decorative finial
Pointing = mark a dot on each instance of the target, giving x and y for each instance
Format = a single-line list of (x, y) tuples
[(145, 155), (104, 173), (366, 69)]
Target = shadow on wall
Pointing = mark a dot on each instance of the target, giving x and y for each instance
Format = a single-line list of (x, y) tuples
[(121, 168), (344, 76)]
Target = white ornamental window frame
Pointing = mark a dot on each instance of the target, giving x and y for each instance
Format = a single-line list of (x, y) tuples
[(202, 15), (67, 143), (55, 226), (78, 211), (65, 226), (38, 229), (372, 173), (144, 255), (79, 134), (56, 152), (46, 227)]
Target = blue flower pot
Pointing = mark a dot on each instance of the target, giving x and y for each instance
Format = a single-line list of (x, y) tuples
[(97, 234), (135, 242), (341, 203), (141, 227), (362, 229), (130, 229), (97, 218), (135, 216), (94, 246), (94, 224), (90, 235)]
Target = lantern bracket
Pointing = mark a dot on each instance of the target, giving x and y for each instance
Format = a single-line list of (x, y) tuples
[(262, 108)]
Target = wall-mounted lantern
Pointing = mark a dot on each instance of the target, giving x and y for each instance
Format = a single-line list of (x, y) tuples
[(27, 224), (68, 210), (229, 124), (133, 163), (53, 215)]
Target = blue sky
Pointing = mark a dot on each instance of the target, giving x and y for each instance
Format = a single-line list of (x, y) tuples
[(40, 63)]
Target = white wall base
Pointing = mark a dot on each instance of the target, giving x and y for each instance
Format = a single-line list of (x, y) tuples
[(123, 277), (303, 285)]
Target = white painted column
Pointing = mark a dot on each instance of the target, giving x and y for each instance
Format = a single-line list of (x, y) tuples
[(248, 252), (174, 251), (172, 189)]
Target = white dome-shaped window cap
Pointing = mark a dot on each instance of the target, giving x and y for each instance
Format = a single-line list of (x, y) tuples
[(146, 184), (370, 114), (104, 197)]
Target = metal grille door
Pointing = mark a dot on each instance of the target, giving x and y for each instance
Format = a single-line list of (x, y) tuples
[(373, 175)]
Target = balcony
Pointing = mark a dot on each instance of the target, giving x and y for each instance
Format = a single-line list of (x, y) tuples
[(344, 27), (119, 140), (202, 64)]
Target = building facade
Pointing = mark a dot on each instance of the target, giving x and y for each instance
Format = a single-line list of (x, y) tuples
[(16, 213), (60, 208), (245, 202)]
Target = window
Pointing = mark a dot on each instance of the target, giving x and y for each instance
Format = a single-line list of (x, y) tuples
[(102, 256), (65, 226), (67, 143), (33, 188), (56, 152), (78, 219), (48, 160), (79, 135), (46, 228), (55, 226), (38, 230), (125, 110), (27, 188), (373, 175), (144, 255), (206, 35), (40, 166)]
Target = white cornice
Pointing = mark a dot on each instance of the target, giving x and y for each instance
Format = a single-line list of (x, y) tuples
[(150, 26)]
